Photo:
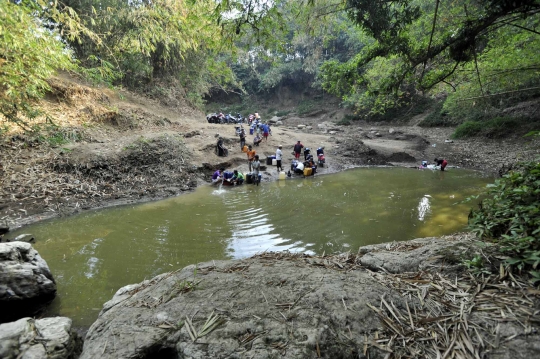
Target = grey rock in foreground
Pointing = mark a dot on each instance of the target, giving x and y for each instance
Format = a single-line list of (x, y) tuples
[(411, 256), (26, 283), (48, 338), (299, 306), (270, 308)]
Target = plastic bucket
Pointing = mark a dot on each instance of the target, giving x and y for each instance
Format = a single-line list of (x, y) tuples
[(249, 178), (274, 162), (251, 131), (268, 161), (282, 175)]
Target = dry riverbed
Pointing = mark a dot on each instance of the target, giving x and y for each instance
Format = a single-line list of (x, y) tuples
[(125, 149)]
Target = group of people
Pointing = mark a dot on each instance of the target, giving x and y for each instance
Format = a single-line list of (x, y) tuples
[(226, 177), (298, 166)]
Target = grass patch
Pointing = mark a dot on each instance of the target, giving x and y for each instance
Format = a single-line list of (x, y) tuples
[(404, 112), (343, 122), (437, 117), (305, 106), (282, 113), (497, 127), (56, 136), (348, 119)]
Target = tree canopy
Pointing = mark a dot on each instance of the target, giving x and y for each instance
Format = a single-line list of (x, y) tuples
[(374, 54)]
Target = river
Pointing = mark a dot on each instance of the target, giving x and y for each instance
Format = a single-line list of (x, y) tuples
[(94, 253)]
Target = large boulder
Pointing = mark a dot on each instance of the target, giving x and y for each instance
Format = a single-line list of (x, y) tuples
[(279, 305), (266, 307), (26, 283), (275, 119), (48, 338)]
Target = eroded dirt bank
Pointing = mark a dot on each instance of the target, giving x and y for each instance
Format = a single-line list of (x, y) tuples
[(126, 149), (395, 300)]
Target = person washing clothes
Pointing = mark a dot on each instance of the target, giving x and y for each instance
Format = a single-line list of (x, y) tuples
[(238, 178), (441, 162), (217, 177)]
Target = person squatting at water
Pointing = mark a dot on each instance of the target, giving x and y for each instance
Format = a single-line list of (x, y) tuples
[(238, 178), (279, 156), (217, 177), (251, 156), (297, 167), (441, 162), (256, 169)]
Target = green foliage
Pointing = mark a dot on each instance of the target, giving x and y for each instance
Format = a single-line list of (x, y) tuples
[(510, 216), (468, 129), (56, 136), (476, 265), (438, 117), (29, 55), (494, 128), (343, 122), (305, 107), (471, 49), (282, 113)]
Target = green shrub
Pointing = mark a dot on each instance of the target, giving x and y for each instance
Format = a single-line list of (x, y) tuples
[(403, 112), (468, 129), (495, 128), (438, 117), (282, 113), (510, 216), (343, 122), (351, 117), (305, 107)]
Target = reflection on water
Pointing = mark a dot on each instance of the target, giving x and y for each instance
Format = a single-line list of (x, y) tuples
[(93, 254), (423, 207)]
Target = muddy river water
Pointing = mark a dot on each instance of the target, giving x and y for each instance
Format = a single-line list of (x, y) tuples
[(93, 254)]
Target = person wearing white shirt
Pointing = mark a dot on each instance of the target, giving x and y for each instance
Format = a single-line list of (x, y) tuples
[(299, 168), (279, 156)]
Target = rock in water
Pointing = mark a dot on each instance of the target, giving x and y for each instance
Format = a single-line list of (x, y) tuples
[(4, 228), (48, 338), (29, 238), (26, 283)]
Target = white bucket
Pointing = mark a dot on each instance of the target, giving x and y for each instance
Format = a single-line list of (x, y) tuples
[(282, 175), (274, 162)]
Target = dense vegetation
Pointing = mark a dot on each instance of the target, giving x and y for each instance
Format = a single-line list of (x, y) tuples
[(510, 216), (380, 58)]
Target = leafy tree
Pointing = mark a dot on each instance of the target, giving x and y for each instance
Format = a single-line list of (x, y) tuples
[(428, 44), (30, 53)]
